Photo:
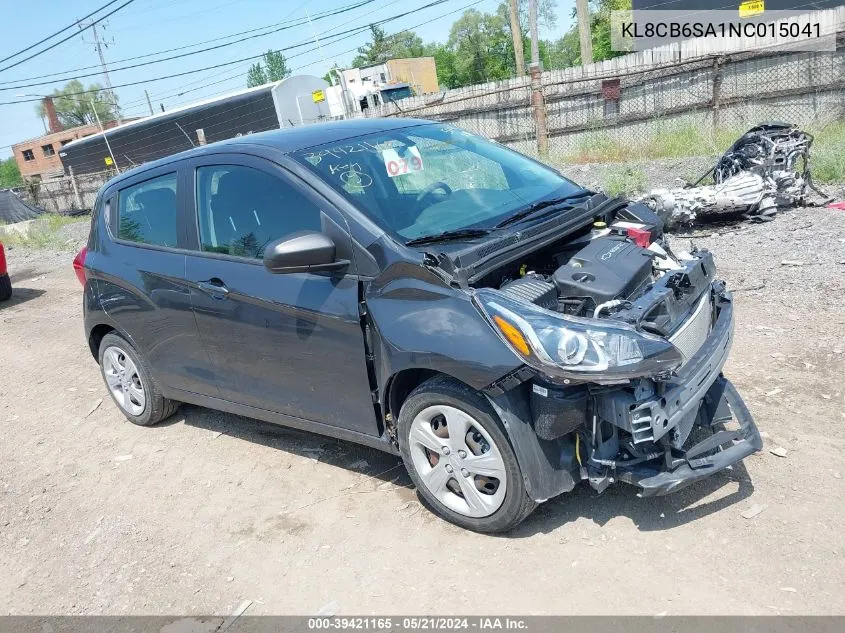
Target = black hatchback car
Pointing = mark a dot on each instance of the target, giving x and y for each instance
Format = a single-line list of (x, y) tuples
[(412, 287)]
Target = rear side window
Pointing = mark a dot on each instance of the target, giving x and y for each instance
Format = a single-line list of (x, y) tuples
[(241, 210), (147, 212)]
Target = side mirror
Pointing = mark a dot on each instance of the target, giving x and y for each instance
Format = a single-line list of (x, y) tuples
[(305, 251)]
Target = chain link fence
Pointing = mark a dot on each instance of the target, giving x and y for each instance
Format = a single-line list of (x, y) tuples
[(626, 108)]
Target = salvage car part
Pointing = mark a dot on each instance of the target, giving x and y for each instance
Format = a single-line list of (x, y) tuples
[(767, 168)]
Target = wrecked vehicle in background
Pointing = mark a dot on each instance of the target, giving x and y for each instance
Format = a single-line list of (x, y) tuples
[(767, 168), (425, 292)]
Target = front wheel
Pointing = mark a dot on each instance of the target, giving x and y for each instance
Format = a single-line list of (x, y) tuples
[(460, 459)]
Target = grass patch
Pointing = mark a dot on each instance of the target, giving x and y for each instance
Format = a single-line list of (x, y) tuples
[(624, 180), (827, 158), (43, 232), (677, 141)]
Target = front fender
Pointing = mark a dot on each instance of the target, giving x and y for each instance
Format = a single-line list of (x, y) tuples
[(547, 466), (421, 323)]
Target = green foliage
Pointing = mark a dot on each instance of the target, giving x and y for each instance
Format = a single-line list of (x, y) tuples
[(76, 109), (483, 49), (566, 51), (10, 174), (274, 68), (255, 76), (625, 180), (828, 158), (43, 232), (383, 47)]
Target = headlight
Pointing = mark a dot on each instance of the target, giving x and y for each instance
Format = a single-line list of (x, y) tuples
[(572, 347)]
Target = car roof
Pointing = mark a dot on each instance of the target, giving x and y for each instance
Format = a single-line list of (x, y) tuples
[(289, 140)]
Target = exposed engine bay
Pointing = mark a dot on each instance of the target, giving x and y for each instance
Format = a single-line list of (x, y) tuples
[(656, 326), (767, 168)]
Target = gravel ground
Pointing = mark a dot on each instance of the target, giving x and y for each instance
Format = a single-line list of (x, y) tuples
[(207, 510)]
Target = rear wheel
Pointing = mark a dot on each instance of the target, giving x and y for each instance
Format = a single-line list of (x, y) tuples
[(460, 459), (5, 287), (130, 384)]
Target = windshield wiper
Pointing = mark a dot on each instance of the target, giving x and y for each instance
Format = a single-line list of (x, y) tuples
[(539, 206), (446, 236)]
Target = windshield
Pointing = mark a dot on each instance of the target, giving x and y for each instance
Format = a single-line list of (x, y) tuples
[(429, 179)]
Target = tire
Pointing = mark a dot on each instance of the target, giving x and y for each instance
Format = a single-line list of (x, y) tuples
[(443, 473), (124, 387), (5, 287)]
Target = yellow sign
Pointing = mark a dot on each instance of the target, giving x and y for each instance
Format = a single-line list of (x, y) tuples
[(750, 8), (109, 161), (318, 96)]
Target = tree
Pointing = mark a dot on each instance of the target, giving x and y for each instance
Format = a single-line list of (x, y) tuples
[(275, 68), (75, 109), (600, 27), (482, 46), (566, 51), (255, 76), (383, 47), (10, 174)]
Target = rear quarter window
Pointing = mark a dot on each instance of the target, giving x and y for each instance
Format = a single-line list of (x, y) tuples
[(147, 212)]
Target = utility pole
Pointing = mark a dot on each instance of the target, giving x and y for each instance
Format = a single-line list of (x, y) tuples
[(532, 25), (100, 45), (582, 10), (149, 104), (516, 34), (319, 47)]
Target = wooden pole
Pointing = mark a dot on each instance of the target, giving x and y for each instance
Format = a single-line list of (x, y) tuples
[(539, 105), (582, 10), (516, 34), (532, 27), (75, 188)]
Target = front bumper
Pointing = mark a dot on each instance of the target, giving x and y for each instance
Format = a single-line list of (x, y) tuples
[(682, 471), (700, 395)]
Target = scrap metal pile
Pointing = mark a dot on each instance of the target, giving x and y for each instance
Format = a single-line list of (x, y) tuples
[(768, 167)]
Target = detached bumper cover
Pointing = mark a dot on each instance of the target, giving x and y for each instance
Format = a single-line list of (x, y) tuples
[(700, 389)]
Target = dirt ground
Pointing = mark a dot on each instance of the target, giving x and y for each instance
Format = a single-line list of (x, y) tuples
[(98, 516)]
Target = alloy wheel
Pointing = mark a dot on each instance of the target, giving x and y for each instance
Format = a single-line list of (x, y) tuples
[(124, 381)]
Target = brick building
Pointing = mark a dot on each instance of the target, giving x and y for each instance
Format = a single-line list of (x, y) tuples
[(38, 158)]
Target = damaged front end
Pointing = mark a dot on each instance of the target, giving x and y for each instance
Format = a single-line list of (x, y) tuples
[(625, 356)]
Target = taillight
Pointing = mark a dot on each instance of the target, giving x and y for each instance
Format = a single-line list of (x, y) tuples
[(79, 265)]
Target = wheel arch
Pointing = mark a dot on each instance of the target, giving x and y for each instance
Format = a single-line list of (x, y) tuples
[(95, 337)]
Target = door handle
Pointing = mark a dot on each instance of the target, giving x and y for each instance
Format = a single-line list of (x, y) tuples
[(214, 287)]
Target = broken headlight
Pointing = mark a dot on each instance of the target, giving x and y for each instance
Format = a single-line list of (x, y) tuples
[(564, 346)]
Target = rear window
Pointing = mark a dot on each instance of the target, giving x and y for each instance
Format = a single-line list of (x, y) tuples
[(147, 212)]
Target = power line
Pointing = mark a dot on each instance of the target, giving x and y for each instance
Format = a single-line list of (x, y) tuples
[(71, 36), (178, 92), (60, 31), (344, 52), (285, 24), (348, 33)]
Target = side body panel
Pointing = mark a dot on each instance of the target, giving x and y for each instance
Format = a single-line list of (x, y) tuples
[(141, 290), (287, 343)]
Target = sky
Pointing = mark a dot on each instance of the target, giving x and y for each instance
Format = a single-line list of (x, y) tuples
[(149, 26)]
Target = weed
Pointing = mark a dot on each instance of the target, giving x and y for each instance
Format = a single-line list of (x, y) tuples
[(43, 232)]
